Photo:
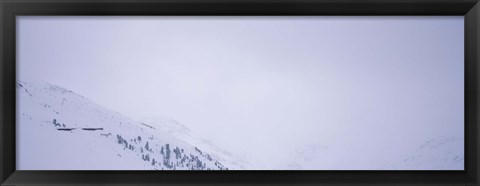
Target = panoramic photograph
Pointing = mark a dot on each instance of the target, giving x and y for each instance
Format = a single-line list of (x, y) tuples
[(240, 93)]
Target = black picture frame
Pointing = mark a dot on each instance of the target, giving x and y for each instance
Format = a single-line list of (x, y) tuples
[(9, 9)]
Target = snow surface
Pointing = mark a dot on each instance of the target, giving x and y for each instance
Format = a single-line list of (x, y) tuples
[(58, 129), (178, 130), (440, 153)]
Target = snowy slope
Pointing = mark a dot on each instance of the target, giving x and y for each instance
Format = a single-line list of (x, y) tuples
[(440, 153), (58, 129), (175, 128)]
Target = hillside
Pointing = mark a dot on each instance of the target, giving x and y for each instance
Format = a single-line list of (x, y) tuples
[(58, 129)]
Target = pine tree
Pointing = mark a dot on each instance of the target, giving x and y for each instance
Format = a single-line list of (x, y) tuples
[(167, 151), (146, 146)]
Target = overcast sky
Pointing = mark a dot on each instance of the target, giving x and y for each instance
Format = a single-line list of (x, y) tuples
[(264, 86)]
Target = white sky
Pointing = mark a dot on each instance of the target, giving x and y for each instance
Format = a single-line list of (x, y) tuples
[(264, 86)]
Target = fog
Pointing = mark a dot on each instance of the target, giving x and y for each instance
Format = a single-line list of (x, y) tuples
[(367, 88)]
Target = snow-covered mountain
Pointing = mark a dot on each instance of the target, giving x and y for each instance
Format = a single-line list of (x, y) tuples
[(440, 153), (58, 129), (178, 130)]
